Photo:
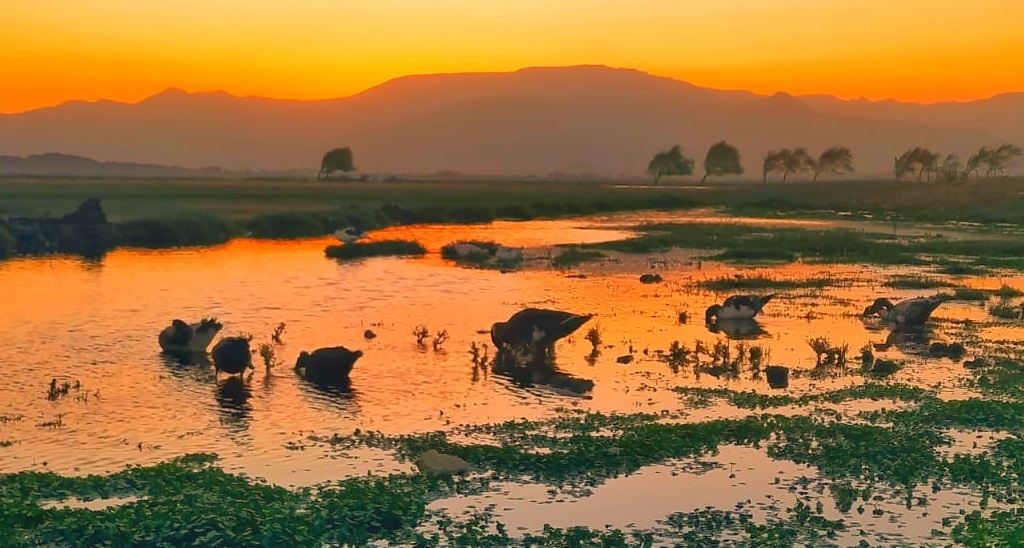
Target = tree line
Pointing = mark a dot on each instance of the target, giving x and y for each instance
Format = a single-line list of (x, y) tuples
[(724, 159), (920, 162)]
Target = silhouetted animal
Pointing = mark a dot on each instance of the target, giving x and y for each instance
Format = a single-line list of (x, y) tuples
[(737, 307), (183, 338), (349, 235), (232, 355), (327, 365), (537, 328), (908, 312), (650, 278)]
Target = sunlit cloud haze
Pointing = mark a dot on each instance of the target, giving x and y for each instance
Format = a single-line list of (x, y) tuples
[(912, 50)]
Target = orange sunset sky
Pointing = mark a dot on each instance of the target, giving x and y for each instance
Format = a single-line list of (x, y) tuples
[(912, 50)]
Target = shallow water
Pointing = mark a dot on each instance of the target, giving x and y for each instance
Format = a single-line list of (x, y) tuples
[(95, 326)]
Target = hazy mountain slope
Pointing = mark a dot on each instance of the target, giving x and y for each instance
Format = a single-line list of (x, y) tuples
[(572, 120)]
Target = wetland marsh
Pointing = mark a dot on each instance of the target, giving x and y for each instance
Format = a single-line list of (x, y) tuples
[(683, 444)]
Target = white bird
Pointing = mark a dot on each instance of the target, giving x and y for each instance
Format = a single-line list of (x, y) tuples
[(349, 235), (467, 249), (182, 337), (509, 254), (908, 312), (737, 307)]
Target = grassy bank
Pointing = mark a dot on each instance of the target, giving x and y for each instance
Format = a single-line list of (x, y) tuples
[(986, 201)]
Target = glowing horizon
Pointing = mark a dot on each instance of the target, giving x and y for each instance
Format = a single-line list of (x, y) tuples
[(917, 51)]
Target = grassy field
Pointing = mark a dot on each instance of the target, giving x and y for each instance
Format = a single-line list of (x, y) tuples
[(161, 213), (986, 201)]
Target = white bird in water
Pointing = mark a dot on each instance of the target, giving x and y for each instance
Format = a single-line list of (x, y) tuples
[(737, 307), (908, 312), (349, 235)]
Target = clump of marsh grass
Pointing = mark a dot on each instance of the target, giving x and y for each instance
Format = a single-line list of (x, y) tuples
[(421, 333), (383, 248), (57, 422), (677, 356), (594, 337), (439, 339), (58, 390), (761, 281), (958, 268), (1007, 312), (574, 256), (278, 331), (915, 282), (268, 354), (1007, 292), (827, 353), (970, 294)]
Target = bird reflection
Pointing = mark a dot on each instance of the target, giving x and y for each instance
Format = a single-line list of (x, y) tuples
[(233, 395), (186, 359), (526, 368), (341, 388), (920, 342), (738, 328), (911, 341)]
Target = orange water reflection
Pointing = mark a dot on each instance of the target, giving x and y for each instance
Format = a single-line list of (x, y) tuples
[(96, 324)]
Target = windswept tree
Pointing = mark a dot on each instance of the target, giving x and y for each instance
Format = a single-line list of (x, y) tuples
[(976, 161), (338, 159), (669, 162), (722, 159), (916, 160), (1000, 157), (794, 161), (837, 160), (950, 168), (787, 161), (773, 161)]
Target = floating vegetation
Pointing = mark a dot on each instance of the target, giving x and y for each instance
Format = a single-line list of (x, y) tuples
[(892, 452), (384, 248)]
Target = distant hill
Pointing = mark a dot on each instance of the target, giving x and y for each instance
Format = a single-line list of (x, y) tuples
[(54, 164), (536, 121)]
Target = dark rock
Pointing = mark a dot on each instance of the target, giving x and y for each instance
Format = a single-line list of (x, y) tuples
[(778, 376), (435, 463)]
